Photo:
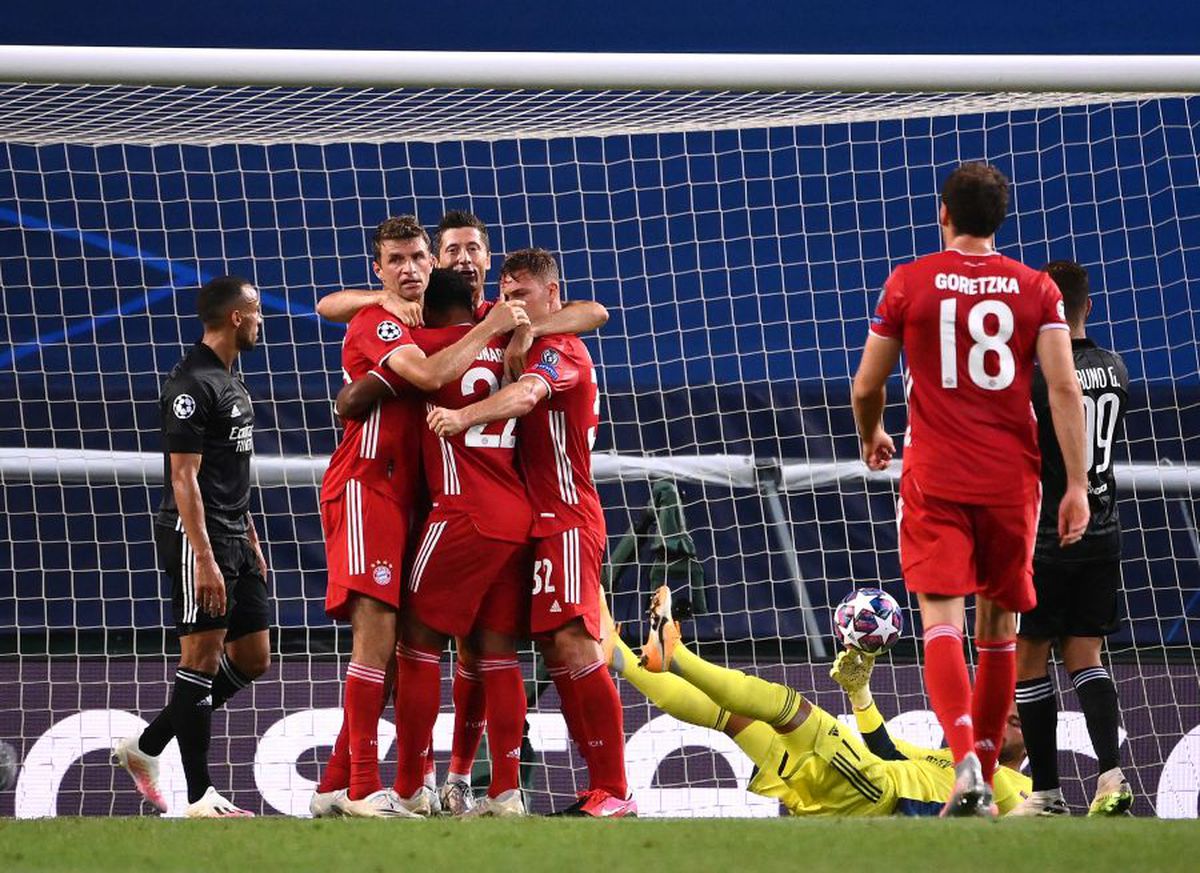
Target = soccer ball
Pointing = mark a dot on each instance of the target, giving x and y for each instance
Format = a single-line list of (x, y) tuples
[(868, 619)]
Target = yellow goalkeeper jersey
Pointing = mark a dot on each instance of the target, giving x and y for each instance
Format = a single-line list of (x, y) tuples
[(823, 768)]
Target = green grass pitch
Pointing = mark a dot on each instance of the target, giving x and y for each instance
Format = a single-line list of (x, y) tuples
[(663, 846)]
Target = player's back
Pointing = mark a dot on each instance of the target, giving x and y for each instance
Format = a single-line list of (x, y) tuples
[(970, 324), (379, 451), (558, 435), (475, 471), (1104, 381)]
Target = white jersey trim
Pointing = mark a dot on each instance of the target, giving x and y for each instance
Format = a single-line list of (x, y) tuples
[(557, 422), (425, 552), (542, 379), (384, 381), (1054, 325)]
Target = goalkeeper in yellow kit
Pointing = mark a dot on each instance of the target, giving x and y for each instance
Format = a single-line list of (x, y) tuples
[(804, 756)]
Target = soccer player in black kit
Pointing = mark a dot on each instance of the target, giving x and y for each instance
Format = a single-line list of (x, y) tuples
[(207, 546), (1077, 586)]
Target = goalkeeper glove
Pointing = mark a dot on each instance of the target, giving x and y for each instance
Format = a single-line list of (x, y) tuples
[(852, 670)]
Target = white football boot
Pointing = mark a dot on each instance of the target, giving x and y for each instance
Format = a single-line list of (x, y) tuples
[(213, 805), (1114, 796), (144, 770), (423, 803), (1047, 804), (456, 798), (325, 804), (384, 803), (509, 804)]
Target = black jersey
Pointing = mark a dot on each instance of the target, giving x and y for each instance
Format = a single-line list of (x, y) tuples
[(1105, 383), (206, 410)]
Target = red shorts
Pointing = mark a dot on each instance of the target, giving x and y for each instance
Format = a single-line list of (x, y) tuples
[(365, 535), (956, 549), (462, 580), (566, 581)]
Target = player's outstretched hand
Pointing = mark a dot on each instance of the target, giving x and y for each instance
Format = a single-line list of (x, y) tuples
[(410, 312), (877, 452), (210, 587), (506, 316), (445, 422), (516, 353), (852, 670), (1073, 515)]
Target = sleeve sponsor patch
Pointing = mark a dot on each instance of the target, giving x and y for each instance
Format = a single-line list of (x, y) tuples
[(183, 406), (388, 331), (548, 369)]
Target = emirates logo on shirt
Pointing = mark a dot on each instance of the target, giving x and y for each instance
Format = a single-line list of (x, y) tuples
[(388, 331)]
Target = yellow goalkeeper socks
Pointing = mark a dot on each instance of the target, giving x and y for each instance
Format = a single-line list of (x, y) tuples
[(733, 690), (671, 694)]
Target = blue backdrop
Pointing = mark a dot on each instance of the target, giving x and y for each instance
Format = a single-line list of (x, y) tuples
[(739, 268)]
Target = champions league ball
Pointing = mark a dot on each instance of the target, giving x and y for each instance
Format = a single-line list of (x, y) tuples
[(869, 620)]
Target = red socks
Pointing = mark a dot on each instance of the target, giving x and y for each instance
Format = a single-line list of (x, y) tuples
[(603, 726), (504, 690), (949, 687), (362, 706), (336, 774), (471, 714), (569, 697), (418, 699), (995, 685)]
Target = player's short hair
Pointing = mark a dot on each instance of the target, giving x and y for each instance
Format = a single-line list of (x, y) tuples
[(399, 228), (976, 196), (455, 219), (1072, 281), (538, 263), (219, 297), (448, 298)]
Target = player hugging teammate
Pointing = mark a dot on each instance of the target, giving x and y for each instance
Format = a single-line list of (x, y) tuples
[(467, 572)]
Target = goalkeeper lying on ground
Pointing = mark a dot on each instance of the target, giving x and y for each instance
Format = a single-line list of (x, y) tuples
[(804, 756)]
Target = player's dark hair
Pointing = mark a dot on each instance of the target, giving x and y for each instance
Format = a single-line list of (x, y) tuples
[(448, 299), (218, 297), (1072, 281), (976, 196), (538, 263), (399, 228), (455, 219)]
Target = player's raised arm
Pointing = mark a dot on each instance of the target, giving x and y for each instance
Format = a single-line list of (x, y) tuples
[(1066, 409), (342, 306), (511, 401), (869, 395), (430, 374), (581, 316)]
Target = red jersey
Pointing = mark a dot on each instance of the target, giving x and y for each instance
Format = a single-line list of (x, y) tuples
[(475, 472), (557, 436), (380, 451), (482, 310), (969, 325)]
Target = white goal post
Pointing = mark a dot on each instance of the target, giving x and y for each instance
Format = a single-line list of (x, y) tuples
[(736, 214)]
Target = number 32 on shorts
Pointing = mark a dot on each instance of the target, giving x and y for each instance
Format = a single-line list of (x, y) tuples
[(543, 570)]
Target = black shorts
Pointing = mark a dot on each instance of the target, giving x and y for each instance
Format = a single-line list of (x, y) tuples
[(247, 608), (1073, 600)]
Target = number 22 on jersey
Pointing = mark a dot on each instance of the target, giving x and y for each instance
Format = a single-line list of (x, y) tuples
[(985, 342), (475, 436)]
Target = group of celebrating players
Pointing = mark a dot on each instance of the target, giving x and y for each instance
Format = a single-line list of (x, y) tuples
[(459, 505)]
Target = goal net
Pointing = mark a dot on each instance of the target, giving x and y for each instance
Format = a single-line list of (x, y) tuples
[(738, 238)]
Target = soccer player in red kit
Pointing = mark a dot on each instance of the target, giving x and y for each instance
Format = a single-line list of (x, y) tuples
[(970, 322), (462, 244), (471, 567), (367, 498), (557, 400)]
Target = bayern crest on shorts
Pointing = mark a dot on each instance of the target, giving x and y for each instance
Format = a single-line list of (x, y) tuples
[(381, 572)]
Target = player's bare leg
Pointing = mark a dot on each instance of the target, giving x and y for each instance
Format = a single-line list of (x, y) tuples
[(1038, 707), (593, 712), (1098, 699)]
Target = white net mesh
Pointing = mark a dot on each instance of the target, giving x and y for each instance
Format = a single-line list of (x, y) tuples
[(738, 240)]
